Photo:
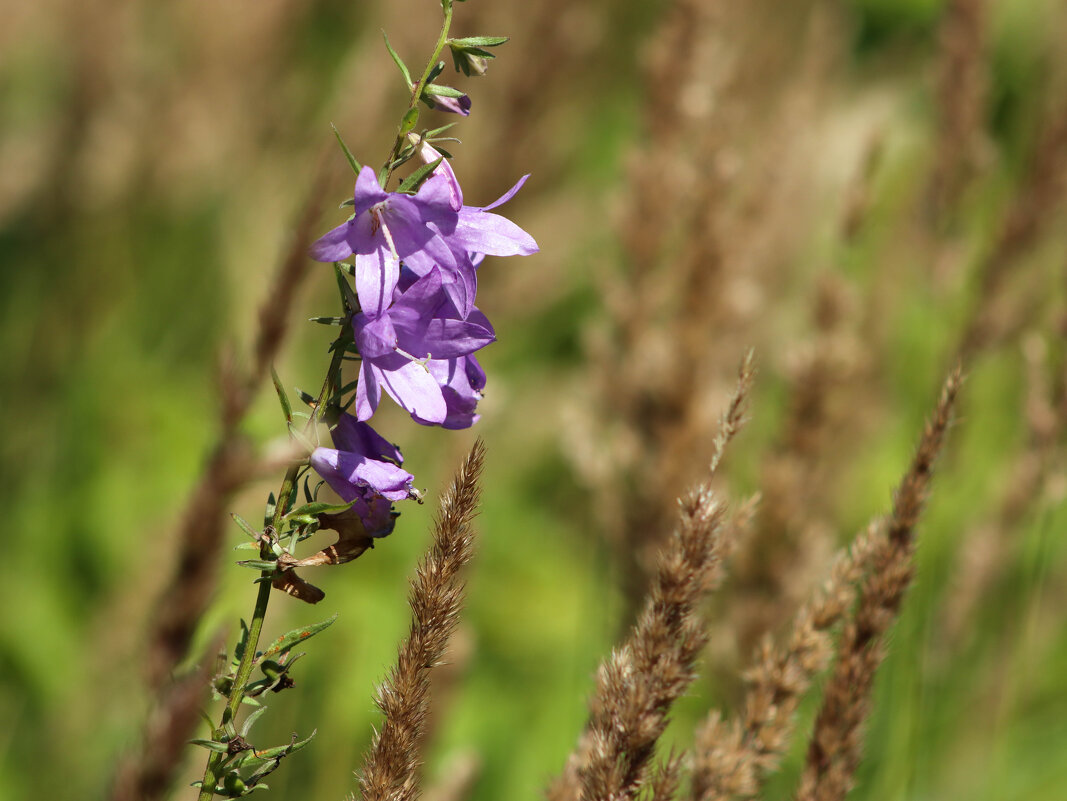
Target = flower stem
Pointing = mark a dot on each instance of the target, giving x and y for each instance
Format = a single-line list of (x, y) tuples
[(416, 94), (259, 613)]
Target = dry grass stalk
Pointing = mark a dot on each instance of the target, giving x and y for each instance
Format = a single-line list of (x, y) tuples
[(962, 88), (730, 758), (1032, 209), (654, 666), (834, 750), (666, 780), (390, 768)]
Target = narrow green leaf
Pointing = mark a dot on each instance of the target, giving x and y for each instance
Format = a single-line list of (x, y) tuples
[(289, 639), (251, 719), (279, 751), (307, 398), (438, 90), (410, 120), (411, 184), (438, 68), (477, 41), (328, 320), (246, 546), (245, 526), (398, 61), (348, 153), (258, 564), (268, 514), (283, 398), (211, 745), (318, 508), (437, 132)]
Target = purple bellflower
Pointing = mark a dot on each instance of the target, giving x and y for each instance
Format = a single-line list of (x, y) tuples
[(399, 346), (363, 464), (476, 233), (454, 105), (461, 380), (389, 227)]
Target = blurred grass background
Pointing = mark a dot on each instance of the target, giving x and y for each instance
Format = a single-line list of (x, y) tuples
[(154, 158)]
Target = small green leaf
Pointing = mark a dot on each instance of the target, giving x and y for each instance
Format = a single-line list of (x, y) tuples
[(438, 131), (305, 397), (438, 68), (211, 745), (279, 751), (328, 320), (397, 60), (268, 514), (246, 546), (438, 90), (318, 508), (283, 398), (411, 184), (348, 153), (289, 639), (251, 719), (245, 527), (258, 564), (410, 120), (477, 41)]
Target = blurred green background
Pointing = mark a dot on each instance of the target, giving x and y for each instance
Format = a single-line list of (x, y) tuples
[(153, 160)]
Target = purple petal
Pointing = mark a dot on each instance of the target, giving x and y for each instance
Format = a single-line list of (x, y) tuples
[(368, 392), (454, 105), (446, 339), (350, 475), (484, 232), (376, 275), (368, 191), (414, 389), (504, 198), (429, 155), (333, 246), (351, 435)]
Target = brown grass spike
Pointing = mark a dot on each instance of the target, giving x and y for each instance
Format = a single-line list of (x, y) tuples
[(654, 666), (836, 744), (390, 768)]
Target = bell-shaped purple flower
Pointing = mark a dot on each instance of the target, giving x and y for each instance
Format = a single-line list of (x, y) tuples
[(389, 227), (477, 233), (363, 465), (461, 380), (397, 348)]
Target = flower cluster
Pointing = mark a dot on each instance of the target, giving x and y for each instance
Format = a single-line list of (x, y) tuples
[(415, 261)]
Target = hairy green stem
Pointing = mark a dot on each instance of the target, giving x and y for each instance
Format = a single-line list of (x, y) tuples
[(259, 613)]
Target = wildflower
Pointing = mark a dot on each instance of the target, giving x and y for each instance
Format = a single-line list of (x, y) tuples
[(454, 105), (389, 227), (461, 380), (398, 346), (364, 466)]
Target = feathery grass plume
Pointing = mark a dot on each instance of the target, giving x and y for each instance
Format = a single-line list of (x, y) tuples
[(390, 767), (962, 88), (666, 779), (730, 758), (638, 683), (836, 743)]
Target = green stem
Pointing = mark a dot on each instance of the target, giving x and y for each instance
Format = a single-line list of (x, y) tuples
[(416, 94), (259, 613)]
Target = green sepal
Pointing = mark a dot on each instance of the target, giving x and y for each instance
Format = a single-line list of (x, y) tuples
[(437, 132), (246, 546), (411, 184), (289, 639), (211, 745), (348, 153), (258, 564), (397, 60), (437, 90), (251, 719), (283, 398), (477, 41), (328, 320), (306, 397), (245, 526), (409, 120)]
